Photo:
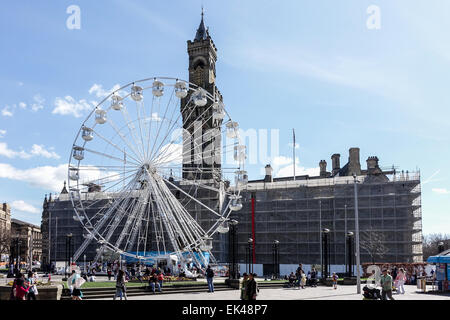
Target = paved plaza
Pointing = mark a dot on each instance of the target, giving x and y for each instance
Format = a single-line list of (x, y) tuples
[(318, 293)]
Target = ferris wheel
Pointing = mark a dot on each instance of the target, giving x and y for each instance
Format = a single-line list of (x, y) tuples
[(155, 170)]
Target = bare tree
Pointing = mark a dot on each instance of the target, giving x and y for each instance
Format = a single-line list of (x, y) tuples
[(5, 241), (431, 242), (373, 243)]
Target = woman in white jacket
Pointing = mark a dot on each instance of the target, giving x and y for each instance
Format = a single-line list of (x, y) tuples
[(401, 278)]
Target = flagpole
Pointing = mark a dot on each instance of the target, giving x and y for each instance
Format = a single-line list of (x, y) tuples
[(293, 151)]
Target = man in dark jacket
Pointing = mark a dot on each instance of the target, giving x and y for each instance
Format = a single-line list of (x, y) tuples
[(298, 273), (252, 287), (209, 278)]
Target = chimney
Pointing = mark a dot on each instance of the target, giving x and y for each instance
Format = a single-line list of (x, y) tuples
[(372, 164), (354, 167), (336, 163), (268, 177), (323, 168)]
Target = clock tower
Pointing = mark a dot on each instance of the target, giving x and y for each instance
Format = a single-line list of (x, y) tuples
[(203, 160)]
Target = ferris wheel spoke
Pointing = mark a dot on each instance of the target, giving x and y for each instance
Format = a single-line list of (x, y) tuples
[(123, 172), (132, 129), (124, 139), (133, 212), (149, 131), (109, 188), (162, 153), (114, 145), (199, 202), (172, 127), (140, 127), (160, 125), (109, 156)]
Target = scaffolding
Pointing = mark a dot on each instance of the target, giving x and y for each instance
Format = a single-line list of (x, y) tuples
[(293, 212)]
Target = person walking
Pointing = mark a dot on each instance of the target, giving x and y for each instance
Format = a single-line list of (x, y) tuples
[(75, 282), (313, 277), (252, 287), (109, 272), (335, 280), (209, 279), (160, 280), (244, 287), (32, 293), (121, 290), (386, 285), (401, 278), (298, 273)]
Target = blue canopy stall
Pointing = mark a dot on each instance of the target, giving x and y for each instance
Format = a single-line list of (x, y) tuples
[(442, 262)]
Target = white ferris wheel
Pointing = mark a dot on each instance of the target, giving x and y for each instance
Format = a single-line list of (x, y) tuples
[(131, 180)]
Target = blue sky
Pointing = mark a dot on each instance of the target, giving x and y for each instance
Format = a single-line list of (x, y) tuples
[(309, 65)]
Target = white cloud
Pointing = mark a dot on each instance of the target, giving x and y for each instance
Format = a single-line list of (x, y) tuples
[(170, 154), (45, 177), (51, 178), (2, 133), (20, 83), (39, 150), (441, 191), (22, 105), (155, 118), (36, 150), (283, 167), (69, 106), (6, 111), (9, 153), (38, 103), (98, 90), (21, 205)]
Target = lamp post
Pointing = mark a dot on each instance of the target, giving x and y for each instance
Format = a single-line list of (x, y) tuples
[(325, 253), (349, 264), (358, 262), (250, 262), (17, 240), (233, 272), (441, 247), (276, 261), (68, 253)]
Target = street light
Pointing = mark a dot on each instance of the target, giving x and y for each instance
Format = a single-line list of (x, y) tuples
[(325, 252), (276, 260), (232, 274), (68, 253), (250, 260), (349, 263), (358, 262)]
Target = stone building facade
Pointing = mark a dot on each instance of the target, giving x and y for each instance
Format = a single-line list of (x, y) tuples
[(5, 231), (30, 241)]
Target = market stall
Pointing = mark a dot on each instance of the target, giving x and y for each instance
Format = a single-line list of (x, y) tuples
[(442, 262)]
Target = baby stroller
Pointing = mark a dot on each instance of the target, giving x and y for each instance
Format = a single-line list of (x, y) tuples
[(371, 293)]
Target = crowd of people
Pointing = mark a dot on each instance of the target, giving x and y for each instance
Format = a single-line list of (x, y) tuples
[(24, 288)]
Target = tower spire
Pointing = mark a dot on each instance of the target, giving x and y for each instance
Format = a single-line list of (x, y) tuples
[(202, 33)]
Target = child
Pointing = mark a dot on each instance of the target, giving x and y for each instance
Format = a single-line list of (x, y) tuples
[(335, 279), (303, 280)]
